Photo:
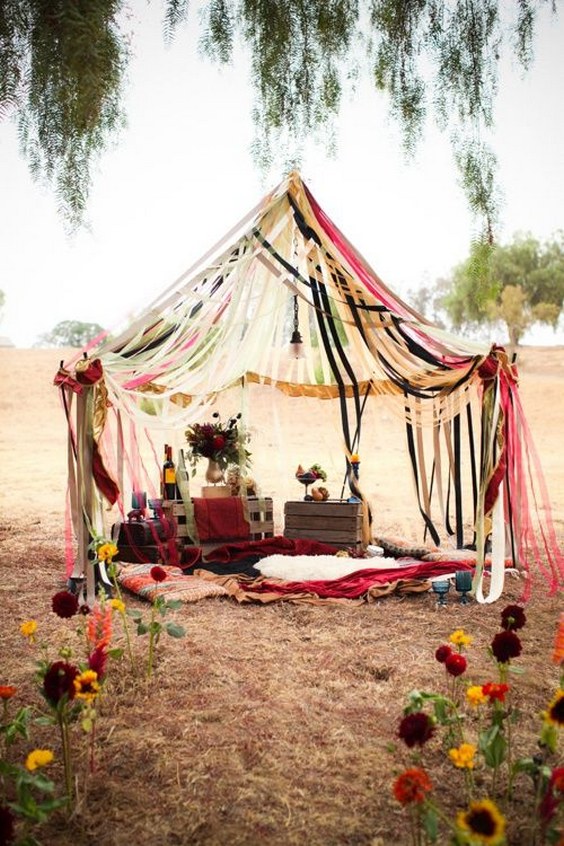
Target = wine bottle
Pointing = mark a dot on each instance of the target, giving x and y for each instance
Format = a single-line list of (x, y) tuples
[(170, 491)]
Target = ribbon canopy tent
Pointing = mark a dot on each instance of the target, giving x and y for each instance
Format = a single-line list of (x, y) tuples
[(224, 323)]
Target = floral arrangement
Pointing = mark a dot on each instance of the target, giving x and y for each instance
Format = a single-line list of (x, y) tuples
[(223, 443), (478, 721)]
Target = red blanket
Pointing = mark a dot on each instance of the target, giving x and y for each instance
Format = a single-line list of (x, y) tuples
[(220, 518), (192, 555), (356, 584)]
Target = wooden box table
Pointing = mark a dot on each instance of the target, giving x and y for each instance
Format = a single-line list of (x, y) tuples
[(260, 517), (334, 521)]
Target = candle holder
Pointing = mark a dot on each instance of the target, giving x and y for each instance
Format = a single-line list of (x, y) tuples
[(441, 587), (463, 584)]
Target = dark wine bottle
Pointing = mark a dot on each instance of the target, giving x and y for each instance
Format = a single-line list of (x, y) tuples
[(170, 491)]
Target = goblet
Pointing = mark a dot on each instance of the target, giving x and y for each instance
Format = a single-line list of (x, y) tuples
[(441, 587), (307, 479), (463, 584)]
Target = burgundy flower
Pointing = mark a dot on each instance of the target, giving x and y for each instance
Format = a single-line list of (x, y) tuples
[(7, 826), (513, 618), (443, 652), (97, 661), (456, 664), (218, 442), (158, 574), (84, 610), (65, 604), (505, 646), (552, 799), (416, 728), (59, 681)]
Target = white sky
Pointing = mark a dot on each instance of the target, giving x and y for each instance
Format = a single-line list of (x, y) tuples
[(181, 175)]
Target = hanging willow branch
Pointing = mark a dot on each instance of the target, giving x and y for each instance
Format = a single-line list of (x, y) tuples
[(62, 64)]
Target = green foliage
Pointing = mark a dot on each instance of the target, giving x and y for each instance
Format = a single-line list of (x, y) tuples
[(519, 284), (61, 69), (70, 333), (63, 62)]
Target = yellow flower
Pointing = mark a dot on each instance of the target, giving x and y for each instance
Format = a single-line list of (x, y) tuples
[(86, 685), (483, 822), (555, 712), (38, 758), (463, 757), (118, 605), (28, 629), (459, 638), (107, 552), (475, 695)]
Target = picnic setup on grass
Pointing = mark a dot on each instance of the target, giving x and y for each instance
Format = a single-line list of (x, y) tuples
[(285, 302)]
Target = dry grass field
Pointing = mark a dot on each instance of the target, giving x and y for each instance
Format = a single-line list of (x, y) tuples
[(265, 724)]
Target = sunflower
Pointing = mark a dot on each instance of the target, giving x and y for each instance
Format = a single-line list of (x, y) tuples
[(554, 714), (86, 685), (475, 695), (411, 786), (483, 822), (107, 552), (28, 629)]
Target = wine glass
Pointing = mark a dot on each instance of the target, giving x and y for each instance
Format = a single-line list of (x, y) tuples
[(307, 479), (463, 584), (441, 587)]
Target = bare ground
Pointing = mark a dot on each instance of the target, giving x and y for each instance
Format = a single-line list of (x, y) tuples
[(265, 724)]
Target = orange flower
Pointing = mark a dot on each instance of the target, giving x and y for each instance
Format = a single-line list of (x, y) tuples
[(558, 655), (411, 786), (99, 630), (7, 691)]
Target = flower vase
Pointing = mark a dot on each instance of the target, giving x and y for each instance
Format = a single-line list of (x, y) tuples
[(214, 477)]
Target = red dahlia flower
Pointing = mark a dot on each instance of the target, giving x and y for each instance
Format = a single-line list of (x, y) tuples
[(456, 664), (495, 691), (411, 786), (443, 652), (7, 825), (505, 646), (58, 681), (513, 618), (158, 574), (416, 729), (64, 603)]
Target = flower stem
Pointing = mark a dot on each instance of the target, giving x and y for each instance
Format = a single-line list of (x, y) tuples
[(65, 742), (124, 622), (151, 642)]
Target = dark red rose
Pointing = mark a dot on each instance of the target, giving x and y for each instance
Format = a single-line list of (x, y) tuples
[(7, 826), (416, 729), (59, 681), (97, 661), (505, 646), (456, 664), (158, 574), (218, 442), (513, 618), (443, 652), (65, 604)]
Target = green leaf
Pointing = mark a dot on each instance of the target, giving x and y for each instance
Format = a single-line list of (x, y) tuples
[(142, 628), (430, 822), (493, 745), (133, 613), (174, 630), (174, 604), (155, 627), (115, 653)]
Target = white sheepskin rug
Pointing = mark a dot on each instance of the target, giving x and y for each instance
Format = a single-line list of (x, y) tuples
[(306, 568)]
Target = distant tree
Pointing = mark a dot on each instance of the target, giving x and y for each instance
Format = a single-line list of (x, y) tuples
[(519, 284), (63, 64), (70, 333)]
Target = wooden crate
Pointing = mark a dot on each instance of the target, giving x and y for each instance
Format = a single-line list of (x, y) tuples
[(261, 520), (336, 522)]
